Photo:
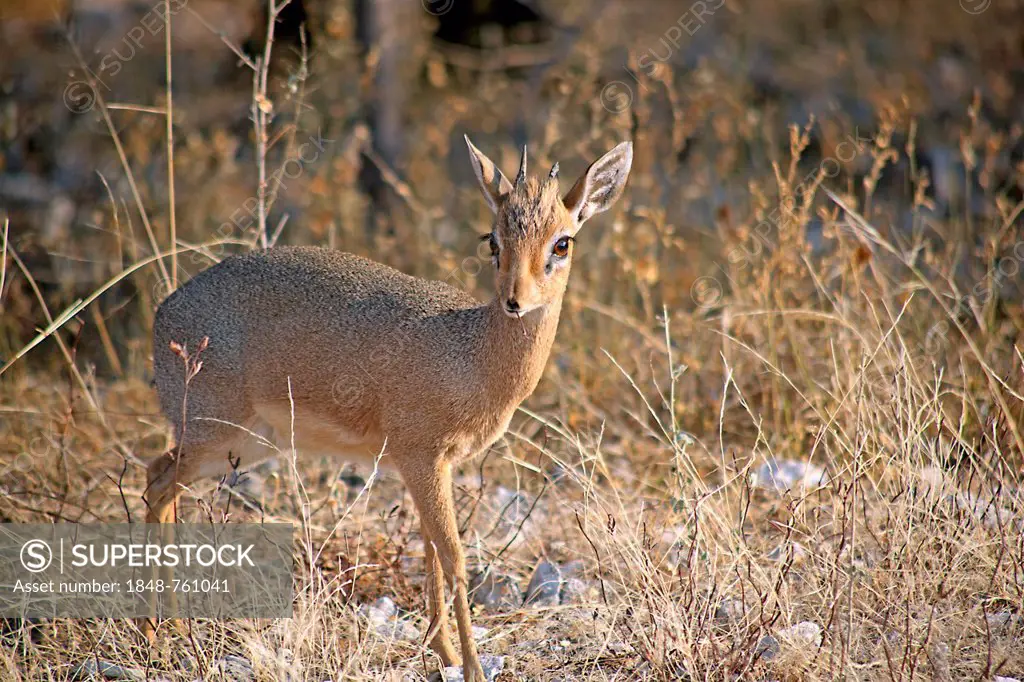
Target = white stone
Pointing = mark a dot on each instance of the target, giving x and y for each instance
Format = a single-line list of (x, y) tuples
[(492, 665), (803, 633), (729, 611), (383, 617), (788, 474)]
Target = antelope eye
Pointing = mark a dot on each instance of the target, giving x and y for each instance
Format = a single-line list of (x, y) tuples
[(561, 248), (492, 242)]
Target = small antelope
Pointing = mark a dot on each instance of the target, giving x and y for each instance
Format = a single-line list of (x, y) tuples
[(343, 355)]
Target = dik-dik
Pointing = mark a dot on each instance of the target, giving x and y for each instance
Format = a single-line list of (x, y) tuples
[(343, 355)]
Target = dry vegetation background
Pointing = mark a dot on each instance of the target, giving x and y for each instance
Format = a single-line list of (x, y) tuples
[(726, 319)]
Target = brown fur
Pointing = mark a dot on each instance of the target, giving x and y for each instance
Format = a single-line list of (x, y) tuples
[(349, 356)]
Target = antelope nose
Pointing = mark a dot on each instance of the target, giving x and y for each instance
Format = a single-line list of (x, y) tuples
[(512, 305)]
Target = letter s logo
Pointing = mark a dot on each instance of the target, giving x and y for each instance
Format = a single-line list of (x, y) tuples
[(36, 556)]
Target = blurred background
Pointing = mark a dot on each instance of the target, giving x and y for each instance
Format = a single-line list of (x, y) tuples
[(380, 94)]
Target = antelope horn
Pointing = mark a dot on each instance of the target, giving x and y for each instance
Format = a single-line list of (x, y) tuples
[(521, 176)]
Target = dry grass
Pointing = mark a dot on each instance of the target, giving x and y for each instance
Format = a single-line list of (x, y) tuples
[(704, 335)]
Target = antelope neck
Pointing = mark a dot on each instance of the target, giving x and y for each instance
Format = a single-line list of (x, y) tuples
[(517, 348)]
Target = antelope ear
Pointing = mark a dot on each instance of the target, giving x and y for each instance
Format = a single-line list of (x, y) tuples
[(493, 182), (601, 185)]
